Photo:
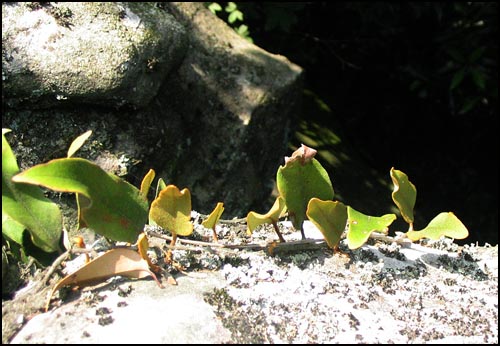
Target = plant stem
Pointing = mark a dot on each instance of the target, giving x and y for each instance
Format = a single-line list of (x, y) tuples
[(276, 228)]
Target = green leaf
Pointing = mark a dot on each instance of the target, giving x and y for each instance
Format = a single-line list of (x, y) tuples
[(214, 7), (469, 103), (477, 54), (445, 224), (25, 207), (78, 142), (300, 179), (12, 229), (361, 226), (160, 186), (234, 16), (231, 6), (404, 194), (272, 216), (458, 77), (172, 210), (478, 77), (214, 216), (329, 217), (109, 205)]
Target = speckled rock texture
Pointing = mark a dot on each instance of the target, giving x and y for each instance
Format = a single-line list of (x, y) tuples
[(166, 86), (83, 52), (432, 292)]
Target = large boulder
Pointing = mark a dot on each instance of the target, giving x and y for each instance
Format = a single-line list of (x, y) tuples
[(169, 87)]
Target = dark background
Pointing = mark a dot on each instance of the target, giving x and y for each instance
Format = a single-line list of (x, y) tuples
[(409, 85)]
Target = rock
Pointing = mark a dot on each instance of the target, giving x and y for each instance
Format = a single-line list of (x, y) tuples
[(133, 312), (196, 102), (91, 53), (379, 293)]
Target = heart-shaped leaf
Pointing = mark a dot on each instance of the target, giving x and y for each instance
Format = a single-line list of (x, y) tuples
[(78, 142), (329, 217), (255, 219), (107, 204), (361, 226), (119, 261), (404, 194), (172, 210), (300, 179), (25, 207), (444, 224)]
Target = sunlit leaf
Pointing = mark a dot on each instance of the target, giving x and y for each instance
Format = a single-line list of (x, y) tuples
[(11, 228), (214, 216), (300, 179), (214, 7), (172, 210), (78, 142), (109, 205), (142, 248), (255, 219), (234, 16), (231, 6), (329, 217), (404, 194), (444, 224), (119, 261), (25, 207), (361, 226), (146, 183)]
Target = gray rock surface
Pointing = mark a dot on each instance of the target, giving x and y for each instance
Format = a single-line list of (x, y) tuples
[(133, 312), (381, 293), (168, 87), (84, 52)]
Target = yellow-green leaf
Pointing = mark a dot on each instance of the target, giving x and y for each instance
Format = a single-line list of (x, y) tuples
[(146, 183), (361, 226), (106, 203), (255, 219), (214, 216), (25, 207), (172, 210), (78, 142), (329, 217), (404, 194), (444, 224)]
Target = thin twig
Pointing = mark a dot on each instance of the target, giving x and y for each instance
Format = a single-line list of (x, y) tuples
[(286, 245)]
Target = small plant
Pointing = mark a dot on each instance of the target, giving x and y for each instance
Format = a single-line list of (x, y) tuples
[(234, 16), (300, 179), (213, 218), (171, 210), (329, 217), (117, 210), (273, 215)]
